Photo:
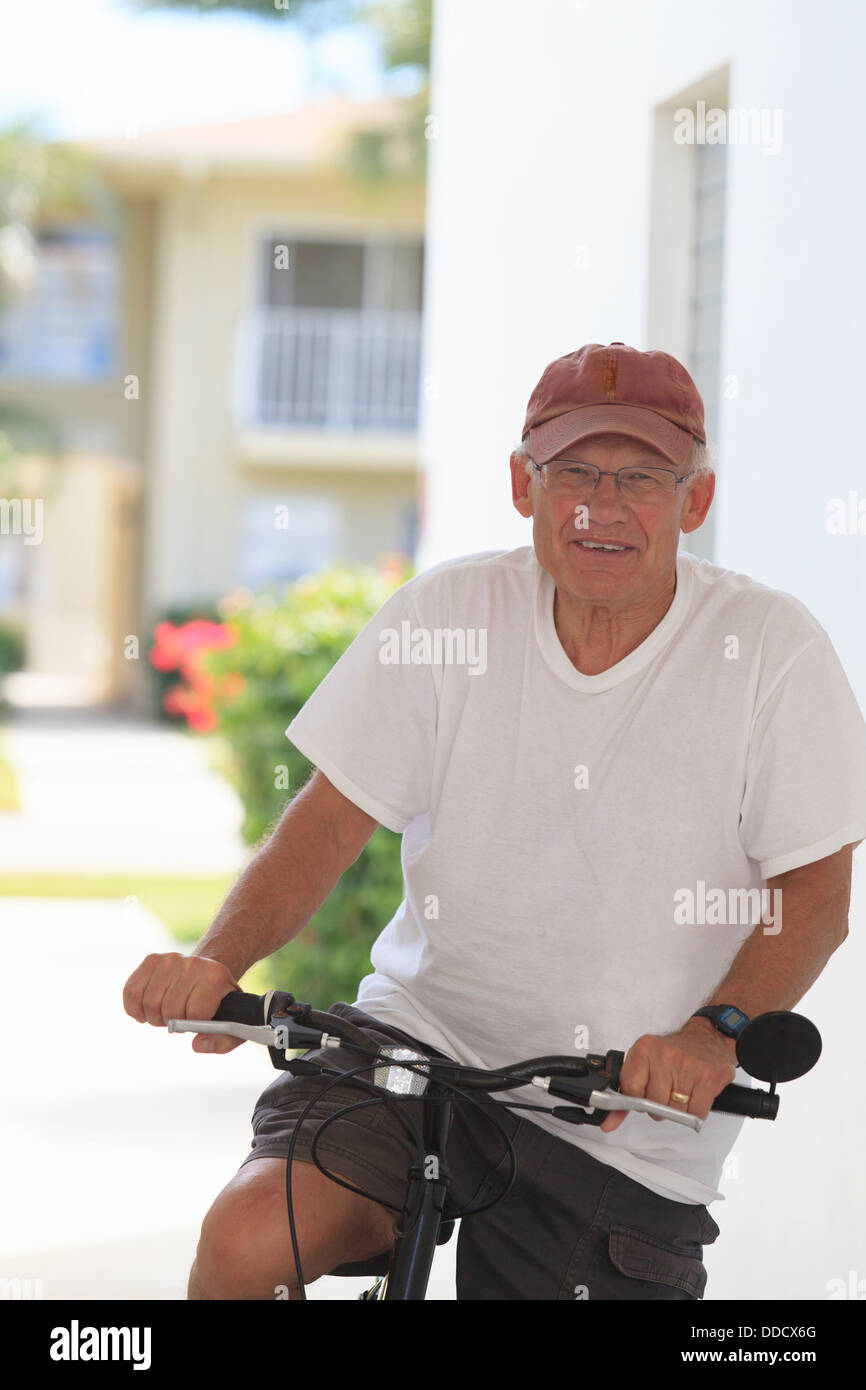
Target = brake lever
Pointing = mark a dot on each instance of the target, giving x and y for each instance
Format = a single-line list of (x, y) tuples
[(261, 1033), (279, 1037), (615, 1100), (593, 1089)]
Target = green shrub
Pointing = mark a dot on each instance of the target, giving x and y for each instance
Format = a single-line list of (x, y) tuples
[(11, 648), (286, 644)]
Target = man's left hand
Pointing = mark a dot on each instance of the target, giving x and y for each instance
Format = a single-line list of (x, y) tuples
[(697, 1062)]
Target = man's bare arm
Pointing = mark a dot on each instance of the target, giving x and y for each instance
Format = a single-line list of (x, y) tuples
[(771, 970), (319, 835), (774, 969)]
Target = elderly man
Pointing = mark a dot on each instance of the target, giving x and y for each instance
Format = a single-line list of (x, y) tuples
[(583, 813)]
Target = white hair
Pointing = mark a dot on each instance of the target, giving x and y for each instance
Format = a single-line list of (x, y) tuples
[(700, 459)]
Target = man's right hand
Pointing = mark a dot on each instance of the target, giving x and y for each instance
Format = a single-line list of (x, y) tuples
[(175, 986)]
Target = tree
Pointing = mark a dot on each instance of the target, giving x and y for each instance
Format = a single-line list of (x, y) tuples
[(404, 28), (403, 24)]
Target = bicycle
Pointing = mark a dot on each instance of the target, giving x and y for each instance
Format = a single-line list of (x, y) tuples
[(775, 1047)]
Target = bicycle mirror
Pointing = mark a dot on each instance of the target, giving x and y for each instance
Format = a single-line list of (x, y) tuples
[(778, 1046)]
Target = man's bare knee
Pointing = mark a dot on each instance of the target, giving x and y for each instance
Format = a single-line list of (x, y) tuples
[(245, 1249), (195, 1288)]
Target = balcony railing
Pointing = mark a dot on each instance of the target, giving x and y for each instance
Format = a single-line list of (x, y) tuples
[(329, 369)]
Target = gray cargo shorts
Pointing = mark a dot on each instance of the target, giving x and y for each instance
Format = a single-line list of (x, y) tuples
[(570, 1228)]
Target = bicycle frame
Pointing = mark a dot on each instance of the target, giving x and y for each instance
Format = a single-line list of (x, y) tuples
[(427, 1187)]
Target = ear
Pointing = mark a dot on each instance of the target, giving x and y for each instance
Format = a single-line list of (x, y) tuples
[(697, 503), (520, 485)]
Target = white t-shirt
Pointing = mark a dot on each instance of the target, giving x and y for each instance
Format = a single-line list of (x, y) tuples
[(568, 839)]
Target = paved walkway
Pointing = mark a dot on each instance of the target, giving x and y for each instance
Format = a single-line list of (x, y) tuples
[(109, 794)]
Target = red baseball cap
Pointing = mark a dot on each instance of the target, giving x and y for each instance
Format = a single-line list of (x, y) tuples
[(614, 389)]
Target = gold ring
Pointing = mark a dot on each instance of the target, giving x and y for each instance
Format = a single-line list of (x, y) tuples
[(680, 1098)]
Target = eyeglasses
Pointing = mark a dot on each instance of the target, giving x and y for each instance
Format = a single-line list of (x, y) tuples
[(570, 478)]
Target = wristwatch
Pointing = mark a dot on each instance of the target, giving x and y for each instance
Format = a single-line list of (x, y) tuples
[(728, 1019)]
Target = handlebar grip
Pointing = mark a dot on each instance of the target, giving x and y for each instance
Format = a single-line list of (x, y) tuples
[(733, 1100), (237, 1007), (746, 1100)]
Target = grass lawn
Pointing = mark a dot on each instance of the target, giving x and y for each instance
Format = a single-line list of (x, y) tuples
[(186, 906)]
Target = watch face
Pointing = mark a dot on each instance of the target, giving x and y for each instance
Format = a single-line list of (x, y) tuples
[(733, 1019)]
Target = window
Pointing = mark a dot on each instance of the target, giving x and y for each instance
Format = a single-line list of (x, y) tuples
[(65, 329), (705, 336), (377, 273), (286, 535), (687, 257)]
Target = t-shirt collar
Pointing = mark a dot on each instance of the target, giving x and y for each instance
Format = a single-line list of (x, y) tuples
[(554, 653)]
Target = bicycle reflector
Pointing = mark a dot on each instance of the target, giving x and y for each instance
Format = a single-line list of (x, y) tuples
[(400, 1081)]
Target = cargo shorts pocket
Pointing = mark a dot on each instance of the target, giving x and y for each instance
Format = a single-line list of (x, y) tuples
[(641, 1256)]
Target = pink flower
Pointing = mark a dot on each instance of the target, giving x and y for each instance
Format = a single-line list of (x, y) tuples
[(184, 648), (201, 719)]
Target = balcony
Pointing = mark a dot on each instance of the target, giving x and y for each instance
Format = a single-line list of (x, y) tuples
[(328, 369)]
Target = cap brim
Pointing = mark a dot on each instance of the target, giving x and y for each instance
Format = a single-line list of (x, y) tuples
[(552, 436)]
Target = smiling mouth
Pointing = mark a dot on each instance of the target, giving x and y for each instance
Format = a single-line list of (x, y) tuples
[(603, 548)]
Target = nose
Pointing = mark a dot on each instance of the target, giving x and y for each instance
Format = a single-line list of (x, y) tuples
[(607, 498)]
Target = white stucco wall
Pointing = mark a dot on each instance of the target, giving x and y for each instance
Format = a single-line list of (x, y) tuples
[(542, 144)]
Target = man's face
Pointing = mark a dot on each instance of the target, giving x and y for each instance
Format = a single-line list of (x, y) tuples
[(650, 529)]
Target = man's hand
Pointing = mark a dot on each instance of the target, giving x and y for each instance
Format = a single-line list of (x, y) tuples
[(697, 1062), (175, 986)]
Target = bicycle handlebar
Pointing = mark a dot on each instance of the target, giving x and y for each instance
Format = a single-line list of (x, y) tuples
[(238, 1007), (279, 1022)]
